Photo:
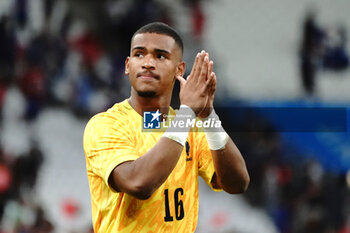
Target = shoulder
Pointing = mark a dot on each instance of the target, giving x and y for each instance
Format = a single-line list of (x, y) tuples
[(114, 119), (116, 113)]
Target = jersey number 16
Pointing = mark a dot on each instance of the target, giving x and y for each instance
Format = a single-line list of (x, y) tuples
[(179, 207)]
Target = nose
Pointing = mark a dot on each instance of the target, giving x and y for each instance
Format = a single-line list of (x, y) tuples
[(148, 62)]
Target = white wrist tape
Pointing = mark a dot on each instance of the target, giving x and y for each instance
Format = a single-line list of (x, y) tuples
[(217, 138), (180, 134)]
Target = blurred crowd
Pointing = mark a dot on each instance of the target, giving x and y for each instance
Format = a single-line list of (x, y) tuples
[(71, 55), (295, 190), (18, 210), (72, 60), (57, 53), (322, 48)]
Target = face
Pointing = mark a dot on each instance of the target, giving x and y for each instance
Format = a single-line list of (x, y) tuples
[(154, 62)]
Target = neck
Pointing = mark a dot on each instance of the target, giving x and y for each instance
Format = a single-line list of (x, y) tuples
[(141, 104)]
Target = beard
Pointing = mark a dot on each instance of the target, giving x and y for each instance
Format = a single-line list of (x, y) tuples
[(147, 94)]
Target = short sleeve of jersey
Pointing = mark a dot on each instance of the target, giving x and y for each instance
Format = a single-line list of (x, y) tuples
[(108, 142), (206, 164)]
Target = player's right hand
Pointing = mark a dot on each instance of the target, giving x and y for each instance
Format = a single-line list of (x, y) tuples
[(194, 90)]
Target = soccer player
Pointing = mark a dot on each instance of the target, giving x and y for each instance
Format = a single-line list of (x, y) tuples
[(148, 181)]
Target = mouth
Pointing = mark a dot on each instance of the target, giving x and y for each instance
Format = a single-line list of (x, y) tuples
[(148, 76)]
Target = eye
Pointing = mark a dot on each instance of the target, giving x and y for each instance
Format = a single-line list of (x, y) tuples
[(161, 56), (138, 54)]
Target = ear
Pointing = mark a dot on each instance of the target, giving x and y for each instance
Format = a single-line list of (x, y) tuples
[(127, 66), (180, 69)]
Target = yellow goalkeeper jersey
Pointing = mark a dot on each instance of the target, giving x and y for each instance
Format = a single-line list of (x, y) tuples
[(116, 136)]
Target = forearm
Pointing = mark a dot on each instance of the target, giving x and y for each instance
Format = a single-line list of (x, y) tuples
[(144, 175), (230, 168)]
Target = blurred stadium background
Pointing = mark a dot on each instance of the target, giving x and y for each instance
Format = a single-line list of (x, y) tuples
[(62, 61)]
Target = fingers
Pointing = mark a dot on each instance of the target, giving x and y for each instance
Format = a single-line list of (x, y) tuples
[(195, 66), (210, 74), (211, 84), (203, 73), (181, 80), (210, 69), (204, 69), (199, 66), (198, 89), (200, 63)]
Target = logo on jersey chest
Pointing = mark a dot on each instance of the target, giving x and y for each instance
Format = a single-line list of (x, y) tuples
[(187, 147)]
